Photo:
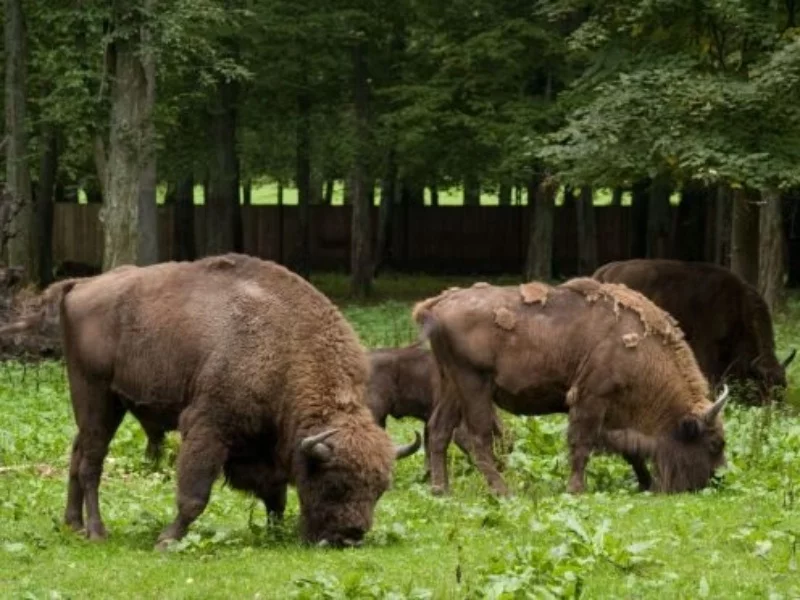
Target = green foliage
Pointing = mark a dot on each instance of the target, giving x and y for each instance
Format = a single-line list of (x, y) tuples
[(737, 538)]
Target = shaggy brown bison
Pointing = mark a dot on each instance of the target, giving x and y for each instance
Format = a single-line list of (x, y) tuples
[(604, 354), (726, 321), (260, 373), (404, 382)]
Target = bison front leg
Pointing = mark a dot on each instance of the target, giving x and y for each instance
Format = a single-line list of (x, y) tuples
[(586, 415), (640, 469), (275, 503), (200, 461)]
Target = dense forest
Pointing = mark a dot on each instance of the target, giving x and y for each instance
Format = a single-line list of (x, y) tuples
[(648, 99)]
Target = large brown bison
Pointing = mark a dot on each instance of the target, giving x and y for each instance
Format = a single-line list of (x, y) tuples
[(604, 354), (260, 373), (726, 321), (404, 382)]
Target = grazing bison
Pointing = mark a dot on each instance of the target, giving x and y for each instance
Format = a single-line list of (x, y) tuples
[(260, 373), (604, 354), (404, 382), (726, 321)]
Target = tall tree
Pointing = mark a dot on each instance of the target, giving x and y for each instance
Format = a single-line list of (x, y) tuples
[(542, 211), (587, 232), (126, 170), (361, 230), (16, 211), (744, 237), (771, 260)]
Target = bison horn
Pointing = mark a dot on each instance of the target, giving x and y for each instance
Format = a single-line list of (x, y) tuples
[(718, 405), (315, 447), (789, 358), (408, 449)]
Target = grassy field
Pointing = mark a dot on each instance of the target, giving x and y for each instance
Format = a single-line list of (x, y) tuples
[(266, 193), (738, 539)]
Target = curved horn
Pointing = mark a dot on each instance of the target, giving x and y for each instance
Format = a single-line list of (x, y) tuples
[(755, 361), (407, 450), (722, 399), (789, 358), (314, 445)]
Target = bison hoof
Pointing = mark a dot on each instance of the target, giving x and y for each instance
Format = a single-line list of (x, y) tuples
[(97, 534), (75, 524), (162, 545), (439, 490), (576, 487)]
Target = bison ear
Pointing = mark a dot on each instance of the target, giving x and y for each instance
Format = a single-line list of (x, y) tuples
[(689, 429)]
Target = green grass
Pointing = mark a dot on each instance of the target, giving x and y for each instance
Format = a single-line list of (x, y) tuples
[(738, 539), (266, 193)]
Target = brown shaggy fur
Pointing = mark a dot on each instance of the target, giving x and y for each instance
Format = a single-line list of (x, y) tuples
[(245, 359), (569, 355), (726, 321), (404, 382)]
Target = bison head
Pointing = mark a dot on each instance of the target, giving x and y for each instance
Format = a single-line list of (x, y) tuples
[(342, 474), (687, 457), (769, 372)]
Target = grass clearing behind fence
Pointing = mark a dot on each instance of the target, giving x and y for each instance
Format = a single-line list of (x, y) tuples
[(738, 539)]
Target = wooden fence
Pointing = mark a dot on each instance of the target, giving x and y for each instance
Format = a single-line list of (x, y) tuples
[(471, 239)]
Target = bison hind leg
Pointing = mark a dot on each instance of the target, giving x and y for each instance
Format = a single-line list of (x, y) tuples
[(98, 413)]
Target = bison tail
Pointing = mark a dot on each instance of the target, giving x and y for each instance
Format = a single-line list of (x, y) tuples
[(49, 304), (427, 322)]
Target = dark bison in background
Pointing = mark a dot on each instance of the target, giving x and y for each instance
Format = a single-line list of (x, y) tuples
[(726, 321), (260, 373), (404, 382), (603, 353)]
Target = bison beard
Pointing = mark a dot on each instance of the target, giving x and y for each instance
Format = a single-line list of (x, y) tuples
[(726, 321), (604, 354), (260, 373)]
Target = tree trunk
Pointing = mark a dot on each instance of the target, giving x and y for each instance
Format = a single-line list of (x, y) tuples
[(148, 204), (658, 219), (388, 199), (639, 220), (247, 192), (16, 210), (328, 196), (223, 220), (542, 210), (361, 230), (771, 261), (127, 173), (434, 187), (412, 194), (616, 196), (472, 191), (44, 205), (301, 260), (723, 220), (744, 237), (587, 232), (504, 195), (183, 219), (688, 237)]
